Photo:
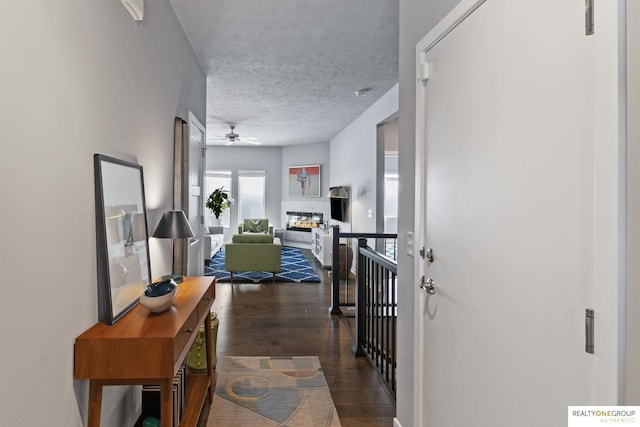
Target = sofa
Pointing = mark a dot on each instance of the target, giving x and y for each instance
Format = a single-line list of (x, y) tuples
[(253, 252), (213, 242), (255, 225)]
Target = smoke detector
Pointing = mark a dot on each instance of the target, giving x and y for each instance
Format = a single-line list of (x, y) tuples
[(135, 8)]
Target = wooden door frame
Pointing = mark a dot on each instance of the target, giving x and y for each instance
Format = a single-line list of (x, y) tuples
[(609, 198), (181, 184), (180, 190)]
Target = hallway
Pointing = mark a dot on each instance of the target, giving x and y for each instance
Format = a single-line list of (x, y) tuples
[(291, 319)]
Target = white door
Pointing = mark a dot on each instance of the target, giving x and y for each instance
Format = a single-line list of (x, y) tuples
[(505, 147), (633, 162), (195, 263)]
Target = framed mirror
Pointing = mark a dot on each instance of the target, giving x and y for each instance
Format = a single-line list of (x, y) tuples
[(121, 236)]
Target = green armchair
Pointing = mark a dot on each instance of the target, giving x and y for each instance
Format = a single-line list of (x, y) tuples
[(255, 225), (253, 252)]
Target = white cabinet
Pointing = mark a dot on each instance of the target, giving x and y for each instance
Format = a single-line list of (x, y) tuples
[(321, 246), (298, 239)]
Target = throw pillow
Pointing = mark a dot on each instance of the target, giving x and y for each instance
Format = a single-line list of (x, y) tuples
[(253, 226)]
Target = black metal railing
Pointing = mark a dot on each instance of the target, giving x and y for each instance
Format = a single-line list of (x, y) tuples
[(376, 303), (391, 247), (377, 311)]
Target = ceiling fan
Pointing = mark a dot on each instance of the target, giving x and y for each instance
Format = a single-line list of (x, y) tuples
[(232, 137)]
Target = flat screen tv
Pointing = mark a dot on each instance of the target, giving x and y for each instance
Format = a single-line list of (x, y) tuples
[(339, 209)]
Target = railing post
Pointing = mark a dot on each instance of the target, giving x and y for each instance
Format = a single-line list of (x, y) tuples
[(361, 282), (335, 273)]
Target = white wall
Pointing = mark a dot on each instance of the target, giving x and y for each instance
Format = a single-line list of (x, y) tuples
[(77, 78), (353, 160), (417, 18), (235, 159)]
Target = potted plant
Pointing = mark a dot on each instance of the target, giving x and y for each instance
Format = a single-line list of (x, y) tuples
[(218, 201)]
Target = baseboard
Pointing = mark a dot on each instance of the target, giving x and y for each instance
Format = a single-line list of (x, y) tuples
[(396, 423), (299, 245)]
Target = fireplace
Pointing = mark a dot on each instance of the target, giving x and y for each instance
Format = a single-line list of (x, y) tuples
[(304, 221)]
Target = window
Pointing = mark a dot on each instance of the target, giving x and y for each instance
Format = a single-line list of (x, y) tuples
[(391, 192), (213, 180), (391, 213), (251, 197)]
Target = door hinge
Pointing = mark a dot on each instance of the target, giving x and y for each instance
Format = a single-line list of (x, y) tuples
[(589, 329), (588, 17), (204, 152)]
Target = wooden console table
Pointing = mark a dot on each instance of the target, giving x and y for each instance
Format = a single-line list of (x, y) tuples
[(145, 348)]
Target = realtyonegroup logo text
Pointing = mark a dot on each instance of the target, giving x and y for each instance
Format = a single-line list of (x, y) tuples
[(590, 416)]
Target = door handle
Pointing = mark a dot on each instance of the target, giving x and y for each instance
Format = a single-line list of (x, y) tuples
[(427, 285)]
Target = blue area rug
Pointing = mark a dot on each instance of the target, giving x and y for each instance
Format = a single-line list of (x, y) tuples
[(295, 268)]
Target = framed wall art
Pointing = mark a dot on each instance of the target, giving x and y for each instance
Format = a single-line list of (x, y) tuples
[(304, 181), (122, 244)]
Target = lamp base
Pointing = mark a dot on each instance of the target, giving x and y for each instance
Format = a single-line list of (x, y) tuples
[(178, 278)]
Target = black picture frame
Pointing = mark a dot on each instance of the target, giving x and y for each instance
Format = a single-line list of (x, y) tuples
[(122, 239)]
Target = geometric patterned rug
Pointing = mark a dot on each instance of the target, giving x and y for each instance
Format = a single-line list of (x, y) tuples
[(271, 391), (295, 268)]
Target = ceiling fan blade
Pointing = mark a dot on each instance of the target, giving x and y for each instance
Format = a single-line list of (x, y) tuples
[(232, 137)]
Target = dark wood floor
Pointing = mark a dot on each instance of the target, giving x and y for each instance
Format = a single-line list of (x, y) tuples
[(291, 319)]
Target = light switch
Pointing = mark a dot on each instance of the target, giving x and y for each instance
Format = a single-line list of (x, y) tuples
[(370, 213), (410, 243)]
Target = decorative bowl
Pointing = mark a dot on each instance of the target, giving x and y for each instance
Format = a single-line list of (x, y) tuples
[(158, 296)]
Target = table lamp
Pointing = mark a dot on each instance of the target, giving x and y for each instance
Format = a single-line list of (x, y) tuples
[(173, 225)]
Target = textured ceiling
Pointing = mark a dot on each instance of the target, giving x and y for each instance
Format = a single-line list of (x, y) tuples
[(285, 71)]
